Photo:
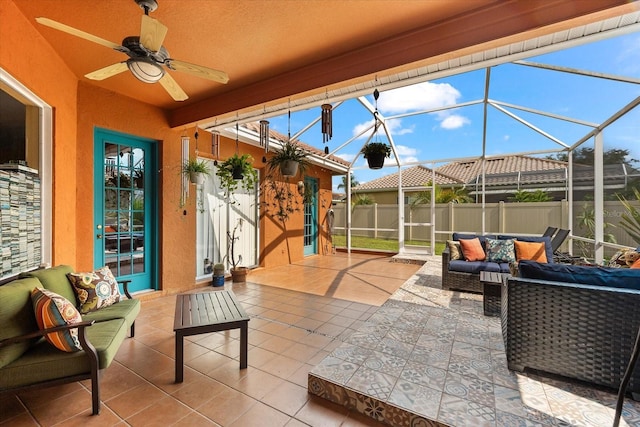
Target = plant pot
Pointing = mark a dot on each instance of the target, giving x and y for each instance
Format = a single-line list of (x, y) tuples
[(217, 281), (239, 274), (196, 178), (237, 173), (289, 168), (375, 160)]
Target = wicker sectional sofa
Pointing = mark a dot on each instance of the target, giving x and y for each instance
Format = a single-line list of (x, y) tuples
[(575, 321), (461, 275)]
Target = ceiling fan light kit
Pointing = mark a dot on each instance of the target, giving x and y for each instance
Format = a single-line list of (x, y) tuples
[(147, 56), (145, 69)]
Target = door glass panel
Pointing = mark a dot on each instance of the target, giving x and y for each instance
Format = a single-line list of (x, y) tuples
[(124, 197)]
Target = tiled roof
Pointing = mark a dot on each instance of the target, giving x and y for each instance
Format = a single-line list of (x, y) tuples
[(506, 166), (255, 127), (412, 177)]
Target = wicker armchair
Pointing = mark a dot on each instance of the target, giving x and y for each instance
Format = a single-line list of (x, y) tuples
[(578, 331), (453, 280)]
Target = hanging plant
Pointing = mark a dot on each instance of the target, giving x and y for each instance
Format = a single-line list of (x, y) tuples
[(196, 170), (237, 172), (288, 160), (375, 153)]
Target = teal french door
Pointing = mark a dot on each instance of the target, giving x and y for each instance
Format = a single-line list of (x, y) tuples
[(310, 216), (125, 206)]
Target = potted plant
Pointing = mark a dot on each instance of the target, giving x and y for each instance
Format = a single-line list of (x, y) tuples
[(375, 153), (218, 275), (289, 159), (197, 170), (238, 274), (237, 171)]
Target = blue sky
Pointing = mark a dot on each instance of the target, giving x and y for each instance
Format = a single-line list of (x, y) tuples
[(458, 132)]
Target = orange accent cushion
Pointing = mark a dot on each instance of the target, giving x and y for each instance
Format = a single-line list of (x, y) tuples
[(636, 264), (472, 249), (52, 310), (534, 251)]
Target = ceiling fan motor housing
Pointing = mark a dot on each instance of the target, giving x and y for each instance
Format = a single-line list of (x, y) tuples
[(147, 5), (137, 50)]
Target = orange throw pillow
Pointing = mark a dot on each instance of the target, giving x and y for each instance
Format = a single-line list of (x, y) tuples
[(534, 251), (472, 249), (636, 264)]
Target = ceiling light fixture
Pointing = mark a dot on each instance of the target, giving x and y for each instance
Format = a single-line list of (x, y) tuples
[(145, 70)]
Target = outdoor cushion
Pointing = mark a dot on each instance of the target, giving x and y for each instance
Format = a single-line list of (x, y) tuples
[(95, 289), (454, 250), (16, 317), (55, 280), (458, 236), (601, 276), (530, 251), (475, 267), (127, 309), (501, 250), (546, 239), (45, 362), (472, 249), (53, 310)]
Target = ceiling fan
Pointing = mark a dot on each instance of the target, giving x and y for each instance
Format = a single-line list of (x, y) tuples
[(146, 54)]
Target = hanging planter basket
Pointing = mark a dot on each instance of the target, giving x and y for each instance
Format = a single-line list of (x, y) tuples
[(376, 160), (375, 153), (197, 178), (289, 168), (237, 173)]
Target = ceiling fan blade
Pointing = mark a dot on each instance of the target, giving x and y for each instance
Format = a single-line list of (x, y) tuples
[(152, 33), (198, 70), (78, 33), (106, 72), (172, 88)]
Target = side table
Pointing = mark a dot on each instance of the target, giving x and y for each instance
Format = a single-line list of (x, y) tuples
[(492, 291)]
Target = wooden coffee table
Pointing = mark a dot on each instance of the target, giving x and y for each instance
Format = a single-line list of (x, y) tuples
[(204, 312), (492, 291)]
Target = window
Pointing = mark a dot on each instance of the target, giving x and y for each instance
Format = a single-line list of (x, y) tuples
[(25, 178)]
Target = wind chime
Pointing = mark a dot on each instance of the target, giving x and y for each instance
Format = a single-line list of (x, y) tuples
[(264, 138), (327, 125), (215, 146)]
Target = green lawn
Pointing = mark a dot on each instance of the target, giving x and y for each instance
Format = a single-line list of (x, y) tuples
[(358, 242)]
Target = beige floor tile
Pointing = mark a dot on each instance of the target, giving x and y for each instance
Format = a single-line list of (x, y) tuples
[(263, 416), (287, 397)]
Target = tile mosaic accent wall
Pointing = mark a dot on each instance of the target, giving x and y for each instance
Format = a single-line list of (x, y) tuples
[(20, 221)]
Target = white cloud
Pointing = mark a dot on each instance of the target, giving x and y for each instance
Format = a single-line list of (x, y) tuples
[(395, 128), (422, 96), (348, 157), (362, 126), (454, 121), (403, 150), (506, 137)]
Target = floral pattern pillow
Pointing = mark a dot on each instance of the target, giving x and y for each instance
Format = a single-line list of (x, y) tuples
[(501, 250), (95, 290), (52, 310), (454, 250)]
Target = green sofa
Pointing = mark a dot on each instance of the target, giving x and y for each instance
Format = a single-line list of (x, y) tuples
[(28, 361)]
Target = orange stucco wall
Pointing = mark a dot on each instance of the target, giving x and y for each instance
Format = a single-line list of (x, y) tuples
[(80, 108), (27, 57)]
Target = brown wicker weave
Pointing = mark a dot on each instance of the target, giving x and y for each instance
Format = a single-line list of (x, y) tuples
[(452, 280), (577, 331)]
